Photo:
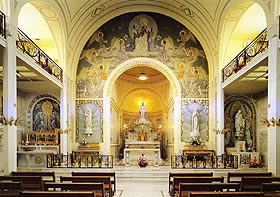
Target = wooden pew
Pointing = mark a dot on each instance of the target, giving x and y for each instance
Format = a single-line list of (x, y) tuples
[(98, 188), (46, 176), (235, 177), (91, 179), (186, 188), (188, 179), (111, 174), (57, 194), (255, 183), (192, 174), (226, 194), (271, 189), (28, 182), (10, 188)]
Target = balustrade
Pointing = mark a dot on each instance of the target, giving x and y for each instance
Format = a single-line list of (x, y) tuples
[(27, 46), (256, 47), (2, 25)]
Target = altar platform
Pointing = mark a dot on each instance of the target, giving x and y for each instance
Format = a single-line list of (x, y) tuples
[(133, 150)]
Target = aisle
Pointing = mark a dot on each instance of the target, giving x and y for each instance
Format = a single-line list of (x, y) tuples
[(138, 182), (147, 189)]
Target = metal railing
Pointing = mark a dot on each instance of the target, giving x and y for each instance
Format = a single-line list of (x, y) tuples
[(257, 46), (2, 25), (204, 162), (79, 161), (27, 46)]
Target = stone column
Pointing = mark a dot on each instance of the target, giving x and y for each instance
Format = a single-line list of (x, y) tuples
[(274, 99), (10, 92), (177, 125), (220, 148), (106, 125), (64, 117)]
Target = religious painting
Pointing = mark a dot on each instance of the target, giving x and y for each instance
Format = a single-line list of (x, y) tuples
[(240, 122), (144, 34), (194, 120), (46, 115), (89, 121)]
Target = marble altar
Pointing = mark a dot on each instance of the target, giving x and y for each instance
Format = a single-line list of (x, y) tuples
[(142, 140)]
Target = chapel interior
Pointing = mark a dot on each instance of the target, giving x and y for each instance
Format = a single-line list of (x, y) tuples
[(71, 86)]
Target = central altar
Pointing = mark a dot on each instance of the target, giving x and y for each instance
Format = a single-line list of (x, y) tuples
[(141, 140)]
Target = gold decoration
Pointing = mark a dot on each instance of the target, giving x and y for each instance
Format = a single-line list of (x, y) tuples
[(272, 122)]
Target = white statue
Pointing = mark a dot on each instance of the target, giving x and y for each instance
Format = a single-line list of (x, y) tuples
[(195, 125), (88, 120), (142, 112), (239, 123)]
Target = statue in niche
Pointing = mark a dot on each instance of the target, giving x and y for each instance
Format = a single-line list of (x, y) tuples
[(143, 124), (88, 120), (239, 125), (195, 127), (142, 112)]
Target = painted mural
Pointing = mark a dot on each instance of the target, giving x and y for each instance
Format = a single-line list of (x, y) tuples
[(89, 115), (142, 35), (46, 115), (240, 122), (194, 120)]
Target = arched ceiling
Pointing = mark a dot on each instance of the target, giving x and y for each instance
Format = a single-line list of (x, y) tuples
[(151, 91)]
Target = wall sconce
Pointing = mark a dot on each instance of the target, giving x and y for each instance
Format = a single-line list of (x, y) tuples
[(11, 121), (272, 122), (223, 131)]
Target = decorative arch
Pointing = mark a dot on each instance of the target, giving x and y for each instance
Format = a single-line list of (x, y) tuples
[(232, 15), (32, 112), (135, 62), (248, 131), (51, 14)]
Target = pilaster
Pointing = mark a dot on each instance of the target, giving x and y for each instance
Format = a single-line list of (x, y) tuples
[(10, 94), (274, 102)]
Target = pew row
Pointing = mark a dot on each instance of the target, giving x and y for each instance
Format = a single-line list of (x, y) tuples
[(186, 188), (235, 177), (111, 174), (46, 176), (185, 174), (255, 183), (28, 182), (57, 194), (182, 179), (271, 189), (11, 189), (90, 179), (97, 188), (226, 194)]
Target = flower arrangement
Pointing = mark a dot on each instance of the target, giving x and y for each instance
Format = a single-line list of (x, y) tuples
[(255, 163), (142, 161)]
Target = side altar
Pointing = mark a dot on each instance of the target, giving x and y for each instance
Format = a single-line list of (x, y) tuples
[(142, 141)]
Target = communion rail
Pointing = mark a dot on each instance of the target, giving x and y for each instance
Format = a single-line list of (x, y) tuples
[(201, 161), (78, 160)]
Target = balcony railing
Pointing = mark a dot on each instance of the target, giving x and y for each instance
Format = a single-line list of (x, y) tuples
[(27, 46), (2, 25), (256, 47)]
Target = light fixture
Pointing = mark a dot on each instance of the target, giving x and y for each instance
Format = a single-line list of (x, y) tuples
[(142, 76)]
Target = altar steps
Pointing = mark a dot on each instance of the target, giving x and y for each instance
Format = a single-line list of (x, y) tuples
[(137, 174)]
